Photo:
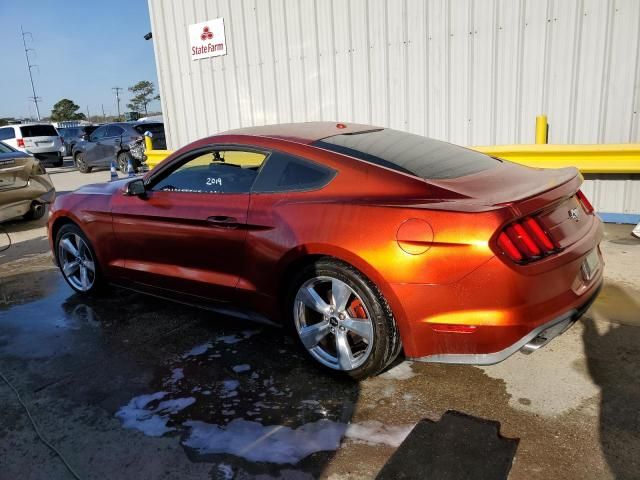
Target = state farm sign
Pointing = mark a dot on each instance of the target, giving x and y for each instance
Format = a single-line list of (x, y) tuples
[(207, 39)]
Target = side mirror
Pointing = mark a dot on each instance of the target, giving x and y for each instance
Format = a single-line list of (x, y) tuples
[(135, 188)]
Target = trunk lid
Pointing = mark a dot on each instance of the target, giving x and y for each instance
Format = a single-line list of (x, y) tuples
[(508, 183), (548, 195)]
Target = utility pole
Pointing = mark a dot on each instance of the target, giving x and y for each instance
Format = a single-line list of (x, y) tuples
[(117, 91), (35, 98), (88, 116), (104, 117)]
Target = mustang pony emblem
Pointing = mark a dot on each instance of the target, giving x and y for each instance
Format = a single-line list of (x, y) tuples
[(573, 214)]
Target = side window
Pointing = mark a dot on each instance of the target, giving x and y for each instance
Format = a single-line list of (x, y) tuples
[(7, 133), (283, 172), (98, 134), (114, 131), (214, 171)]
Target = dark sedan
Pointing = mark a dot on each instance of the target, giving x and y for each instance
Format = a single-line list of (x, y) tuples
[(114, 142)]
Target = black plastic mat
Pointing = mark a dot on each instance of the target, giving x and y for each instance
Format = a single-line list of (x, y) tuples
[(457, 447)]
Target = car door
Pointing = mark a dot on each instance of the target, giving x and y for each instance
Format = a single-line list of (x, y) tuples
[(112, 144), (93, 146), (187, 232)]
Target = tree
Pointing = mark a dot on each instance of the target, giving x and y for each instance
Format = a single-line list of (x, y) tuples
[(144, 95), (64, 110)]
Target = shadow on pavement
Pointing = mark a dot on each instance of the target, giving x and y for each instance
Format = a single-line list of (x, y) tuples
[(613, 359)]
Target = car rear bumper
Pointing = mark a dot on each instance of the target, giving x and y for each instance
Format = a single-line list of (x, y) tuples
[(535, 339), (48, 156), (16, 203), (498, 308)]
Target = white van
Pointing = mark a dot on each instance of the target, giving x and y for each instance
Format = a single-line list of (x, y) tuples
[(42, 140)]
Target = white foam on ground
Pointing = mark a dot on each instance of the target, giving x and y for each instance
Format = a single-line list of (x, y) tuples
[(376, 432), (197, 350), (400, 372), (151, 421), (177, 374), (259, 443), (241, 368), (235, 338), (229, 388)]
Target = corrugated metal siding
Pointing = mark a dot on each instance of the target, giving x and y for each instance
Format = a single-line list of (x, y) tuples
[(469, 72)]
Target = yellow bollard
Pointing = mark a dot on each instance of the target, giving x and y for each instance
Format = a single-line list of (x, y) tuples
[(542, 130), (148, 144)]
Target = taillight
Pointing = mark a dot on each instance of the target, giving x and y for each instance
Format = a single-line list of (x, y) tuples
[(20, 142), (525, 241), (586, 204)]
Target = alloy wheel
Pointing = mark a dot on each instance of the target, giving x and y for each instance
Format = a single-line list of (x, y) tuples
[(76, 262), (333, 323)]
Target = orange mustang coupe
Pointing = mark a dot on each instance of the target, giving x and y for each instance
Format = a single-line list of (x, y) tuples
[(364, 240)]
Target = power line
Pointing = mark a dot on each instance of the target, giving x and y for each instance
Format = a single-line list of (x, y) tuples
[(117, 92), (35, 98)]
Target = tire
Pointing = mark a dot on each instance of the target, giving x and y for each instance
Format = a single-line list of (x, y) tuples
[(359, 337), (123, 161), (81, 165), (58, 163), (36, 211), (73, 247)]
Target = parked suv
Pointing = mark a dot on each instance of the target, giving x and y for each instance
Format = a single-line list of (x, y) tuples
[(42, 140), (114, 141), (73, 135)]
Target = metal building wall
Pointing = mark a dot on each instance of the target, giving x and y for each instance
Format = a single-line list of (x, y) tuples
[(472, 72)]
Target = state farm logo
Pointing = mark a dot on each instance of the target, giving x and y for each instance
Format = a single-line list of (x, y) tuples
[(207, 39), (206, 34)]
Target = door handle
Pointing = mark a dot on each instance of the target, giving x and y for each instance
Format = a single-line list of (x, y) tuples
[(223, 221)]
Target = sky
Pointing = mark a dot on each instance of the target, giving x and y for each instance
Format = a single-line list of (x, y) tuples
[(82, 49)]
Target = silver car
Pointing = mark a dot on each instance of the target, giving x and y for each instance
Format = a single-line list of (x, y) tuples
[(25, 186)]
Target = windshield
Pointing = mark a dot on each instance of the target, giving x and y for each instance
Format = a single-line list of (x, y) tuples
[(408, 153)]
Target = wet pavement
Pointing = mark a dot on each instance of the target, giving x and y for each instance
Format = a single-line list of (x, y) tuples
[(128, 386)]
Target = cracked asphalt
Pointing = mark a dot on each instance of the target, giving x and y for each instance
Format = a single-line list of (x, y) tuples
[(128, 386)]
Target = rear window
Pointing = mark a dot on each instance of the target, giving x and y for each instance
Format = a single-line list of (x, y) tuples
[(38, 131), (409, 153), (157, 131)]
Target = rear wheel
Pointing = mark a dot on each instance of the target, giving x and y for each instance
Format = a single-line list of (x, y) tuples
[(342, 320), (81, 163), (77, 260)]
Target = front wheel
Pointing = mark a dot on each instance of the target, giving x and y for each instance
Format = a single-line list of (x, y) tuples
[(123, 162), (77, 260), (342, 320), (81, 163)]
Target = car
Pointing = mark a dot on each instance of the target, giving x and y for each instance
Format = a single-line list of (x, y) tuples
[(40, 139), (74, 134), (112, 142), (25, 186), (365, 241)]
